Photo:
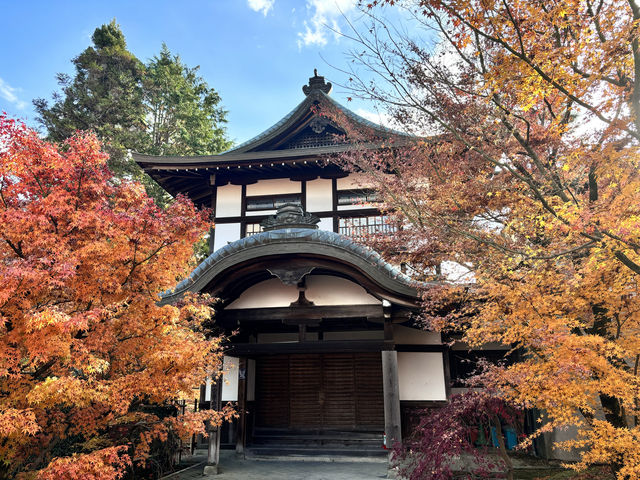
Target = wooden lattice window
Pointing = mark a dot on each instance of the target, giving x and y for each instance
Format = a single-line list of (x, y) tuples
[(355, 197), (271, 202), (365, 225), (252, 229)]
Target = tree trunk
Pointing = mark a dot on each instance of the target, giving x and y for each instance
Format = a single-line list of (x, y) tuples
[(503, 449)]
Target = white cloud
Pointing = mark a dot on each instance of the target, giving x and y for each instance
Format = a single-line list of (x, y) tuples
[(9, 94), (261, 5), (324, 18)]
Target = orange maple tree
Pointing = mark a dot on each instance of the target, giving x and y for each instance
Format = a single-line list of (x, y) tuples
[(84, 347), (525, 178)]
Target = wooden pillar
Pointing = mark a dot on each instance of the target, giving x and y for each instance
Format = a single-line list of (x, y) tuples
[(446, 362), (242, 406), (212, 238), (302, 332), (391, 389), (203, 396), (213, 450), (194, 439), (202, 405)]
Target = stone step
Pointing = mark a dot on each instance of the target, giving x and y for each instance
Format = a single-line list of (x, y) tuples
[(317, 433), (288, 451), (317, 440)]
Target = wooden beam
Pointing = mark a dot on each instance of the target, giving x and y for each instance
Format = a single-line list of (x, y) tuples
[(301, 313), (198, 195), (242, 406), (423, 403), (325, 346), (363, 212), (213, 450), (302, 332), (422, 348), (388, 330), (447, 372)]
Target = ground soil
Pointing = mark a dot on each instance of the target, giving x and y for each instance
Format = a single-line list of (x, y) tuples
[(558, 473)]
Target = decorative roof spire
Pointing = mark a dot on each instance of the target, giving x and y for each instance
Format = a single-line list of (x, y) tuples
[(317, 83), (290, 215)]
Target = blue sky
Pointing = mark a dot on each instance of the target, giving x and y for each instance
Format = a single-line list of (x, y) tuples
[(256, 53)]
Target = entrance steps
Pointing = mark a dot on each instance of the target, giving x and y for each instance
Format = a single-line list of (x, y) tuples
[(318, 445)]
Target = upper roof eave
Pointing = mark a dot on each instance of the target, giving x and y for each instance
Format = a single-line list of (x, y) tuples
[(234, 158), (160, 161)]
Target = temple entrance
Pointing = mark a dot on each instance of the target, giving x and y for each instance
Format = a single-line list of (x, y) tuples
[(320, 392)]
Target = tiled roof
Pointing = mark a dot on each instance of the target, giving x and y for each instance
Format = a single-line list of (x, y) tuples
[(339, 244), (315, 96), (276, 126)]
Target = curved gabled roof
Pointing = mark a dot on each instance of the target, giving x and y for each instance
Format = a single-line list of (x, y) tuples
[(297, 145), (301, 114), (315, 97), (315, 247), (299, 109)]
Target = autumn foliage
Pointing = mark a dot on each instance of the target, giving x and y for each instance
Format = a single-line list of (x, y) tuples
[(447, 441), (84, 348), (525, 177)]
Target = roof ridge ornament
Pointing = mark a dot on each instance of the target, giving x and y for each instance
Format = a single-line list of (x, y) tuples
[(317, 83), (290, 215)]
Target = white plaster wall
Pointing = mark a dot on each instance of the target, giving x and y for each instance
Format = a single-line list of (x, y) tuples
[(327, 290), (256, 213), (356, 335), (322, 290), (228, 201), (275, 186), (225, 233), (421, 376), (319, 195), (230, 379), (207, 390), (352, 181), (326, 224), (558, 435), (413, 336), (269, 293)]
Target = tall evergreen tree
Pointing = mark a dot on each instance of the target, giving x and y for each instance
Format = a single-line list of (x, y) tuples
[(163, 108), (183, 112), (105, 96)]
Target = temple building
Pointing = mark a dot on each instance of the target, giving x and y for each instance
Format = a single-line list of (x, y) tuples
[(326, 355)]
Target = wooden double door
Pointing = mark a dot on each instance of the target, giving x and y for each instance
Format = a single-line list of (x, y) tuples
[(338, 391)]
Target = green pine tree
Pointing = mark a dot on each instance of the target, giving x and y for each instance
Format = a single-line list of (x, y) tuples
[(163, 108), (183, 112), (105, 96)]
